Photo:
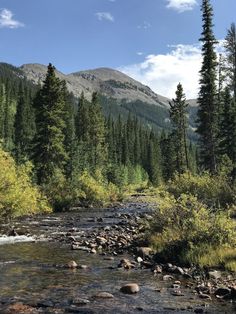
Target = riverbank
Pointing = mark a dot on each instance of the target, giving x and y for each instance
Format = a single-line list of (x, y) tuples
[(108, 251)]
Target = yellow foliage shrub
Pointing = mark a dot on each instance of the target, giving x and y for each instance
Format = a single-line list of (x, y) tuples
[(182, 225), (18, 196)]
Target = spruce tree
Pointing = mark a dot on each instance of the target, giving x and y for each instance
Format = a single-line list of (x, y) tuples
[(179, 128), (97, 134), (207, 98), (230, 47), (49, 150), (227, 145), (24, 125)]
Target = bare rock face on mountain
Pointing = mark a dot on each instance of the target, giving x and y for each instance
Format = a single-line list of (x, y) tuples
[(108, 82)]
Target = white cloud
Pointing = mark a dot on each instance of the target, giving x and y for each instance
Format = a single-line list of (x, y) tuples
[(162, 72), (6, 19), (181, 5), (104, 16), (139, 53), (144, 25)]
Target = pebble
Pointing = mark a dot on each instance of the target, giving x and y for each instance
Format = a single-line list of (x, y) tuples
[(71, 264), (104, 295), (139, 259)]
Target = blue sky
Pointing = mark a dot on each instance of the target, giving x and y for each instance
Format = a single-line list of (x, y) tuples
[(154, 41)]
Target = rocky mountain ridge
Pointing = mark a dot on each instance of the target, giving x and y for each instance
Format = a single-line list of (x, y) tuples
[(111, 83)]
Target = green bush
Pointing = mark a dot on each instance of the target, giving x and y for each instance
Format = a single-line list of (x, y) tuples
[(181, 225), (60, 192), (18, 196), (95, 191), (214, 191)]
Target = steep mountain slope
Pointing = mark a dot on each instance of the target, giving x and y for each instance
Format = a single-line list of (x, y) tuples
[(120, 94), (109, 82)]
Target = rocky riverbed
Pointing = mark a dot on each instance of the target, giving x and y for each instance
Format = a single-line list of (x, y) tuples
[(93, 261)]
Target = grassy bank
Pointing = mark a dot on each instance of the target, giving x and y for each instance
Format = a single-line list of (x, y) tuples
[(192, 221)]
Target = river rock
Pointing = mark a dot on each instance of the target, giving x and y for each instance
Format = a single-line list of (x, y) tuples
[(167, 277), (71, 264), (12, 233), (139, 259), (215, 274), (157, 269), (104, 295), (178, 271), (83, 267), (130, 288), (101, 240), (222, 291), (147, 264), (144, 251), (80, 301), (93, 251), (204, 296), (177, 293), (199, 310), (109, 258), (20, 308), (126, 264)]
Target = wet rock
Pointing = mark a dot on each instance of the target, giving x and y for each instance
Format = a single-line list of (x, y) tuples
[(80, 248), (126, 264), (93, 251), (91, 220), (147, 264), (71, 264), (177, 293), (222, 291), (130, 288), (158, 289), (104, 295), (80, 301), (45, 303), (72, 238), (215, 274), (100, 219), (175, 286), (157, 269), (20, 308), (199, 310), (12, 233), (144, 251), (139, 259), (178, 271), (204, 296), (167, 277), (101, 240), (83, 267), (109, 258)]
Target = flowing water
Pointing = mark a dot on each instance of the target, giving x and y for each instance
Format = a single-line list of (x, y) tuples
[(32, 273)]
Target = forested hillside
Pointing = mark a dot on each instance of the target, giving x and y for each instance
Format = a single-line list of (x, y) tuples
[(71, 141)]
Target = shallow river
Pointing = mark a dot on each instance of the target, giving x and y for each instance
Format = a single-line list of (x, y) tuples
[(32, 272)]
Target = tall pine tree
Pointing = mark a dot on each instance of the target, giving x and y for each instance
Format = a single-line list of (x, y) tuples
[(49, 149), (207, 98), (178, 117)]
